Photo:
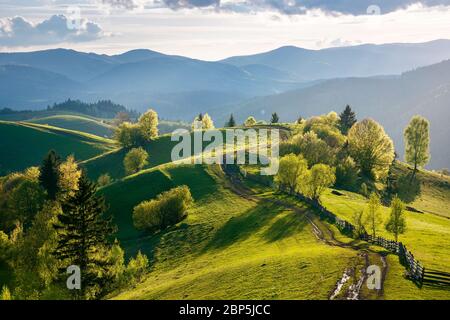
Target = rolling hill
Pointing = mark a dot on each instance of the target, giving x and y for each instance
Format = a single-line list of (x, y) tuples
[(77, 123), (26, 87), (26, 144), (392, 101), (225, 237)]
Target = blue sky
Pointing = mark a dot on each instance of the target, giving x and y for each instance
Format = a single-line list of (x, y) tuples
[(215, 29)]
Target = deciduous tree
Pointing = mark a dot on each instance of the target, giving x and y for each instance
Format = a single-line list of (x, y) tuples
[(396, 223), (250, 121), (148, 124), (320, 177), (371, 148), (69, 174), (292, 169), (373, 214), (417, 142), (135, 160)]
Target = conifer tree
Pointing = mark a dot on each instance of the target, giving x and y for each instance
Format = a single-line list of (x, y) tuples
[(83, 237), (231, 122), (49, 174), (347, 120), (275, 118)]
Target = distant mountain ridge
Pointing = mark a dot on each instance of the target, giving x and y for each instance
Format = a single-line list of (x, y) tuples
[(142, 78), (353, 61)]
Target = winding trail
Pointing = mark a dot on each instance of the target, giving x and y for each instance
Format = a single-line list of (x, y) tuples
[(350, 286)]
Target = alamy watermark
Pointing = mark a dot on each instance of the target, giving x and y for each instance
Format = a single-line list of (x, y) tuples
[(229, 146)]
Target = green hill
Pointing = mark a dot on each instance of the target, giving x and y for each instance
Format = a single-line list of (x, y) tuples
[(112, 163), (228, 247), (78, 123), (25, 144)]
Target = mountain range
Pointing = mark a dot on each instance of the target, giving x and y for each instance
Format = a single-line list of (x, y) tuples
[(389, 83)]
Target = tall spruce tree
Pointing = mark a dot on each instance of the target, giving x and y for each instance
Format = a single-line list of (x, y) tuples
[(84, 236), (275, 118), (231, 122), (49, 174), (347, 120)]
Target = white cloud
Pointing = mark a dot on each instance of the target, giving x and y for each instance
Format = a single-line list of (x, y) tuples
[(18, 31)]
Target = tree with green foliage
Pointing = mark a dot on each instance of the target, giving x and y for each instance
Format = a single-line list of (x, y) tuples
[(373, 214), (292, 169), (347, 173), (299, 120), (250, 121), (231, 122), (346, 120), (202, 122), (207, 121), (314, 149), (148, 125), (371, 148), (25, 200), (274, 119), (6, 294), (104, 180), (136, 268), (396, 223), (83, 234), (417, 143), (135, 160), (49, 174), (167, 209), (129, 135), (320, 177), (358, 222), (69, 173), (35, 267)]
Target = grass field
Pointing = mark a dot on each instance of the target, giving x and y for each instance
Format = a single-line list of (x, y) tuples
[(78, 123), (25, 145), (427, 235), (112, 162), (233, 248)]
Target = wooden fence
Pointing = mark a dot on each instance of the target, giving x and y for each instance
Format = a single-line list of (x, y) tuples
[(415, 270)]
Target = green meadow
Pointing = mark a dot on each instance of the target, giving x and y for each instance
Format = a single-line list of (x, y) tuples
[(25, 145)]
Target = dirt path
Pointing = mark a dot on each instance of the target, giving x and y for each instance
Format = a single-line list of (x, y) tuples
[(350, 286)]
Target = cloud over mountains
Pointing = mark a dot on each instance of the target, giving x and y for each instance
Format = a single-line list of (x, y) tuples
[(18, 31)]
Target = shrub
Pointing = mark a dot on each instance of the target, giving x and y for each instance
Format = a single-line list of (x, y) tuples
[(104, 180), (250, 122), (167, 209), (135, 160), (136, 268)]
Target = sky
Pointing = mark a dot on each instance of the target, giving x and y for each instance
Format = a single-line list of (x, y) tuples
[(216, 29)]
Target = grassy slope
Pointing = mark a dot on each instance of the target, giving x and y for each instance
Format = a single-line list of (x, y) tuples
[(78, 123), (24, 145), (112, 163), (427, 237), (434, 191), (228, 247)]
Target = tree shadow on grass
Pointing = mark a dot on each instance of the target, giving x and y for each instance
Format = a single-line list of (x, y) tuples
[(243, 226), (408, 188), (284, 227)]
